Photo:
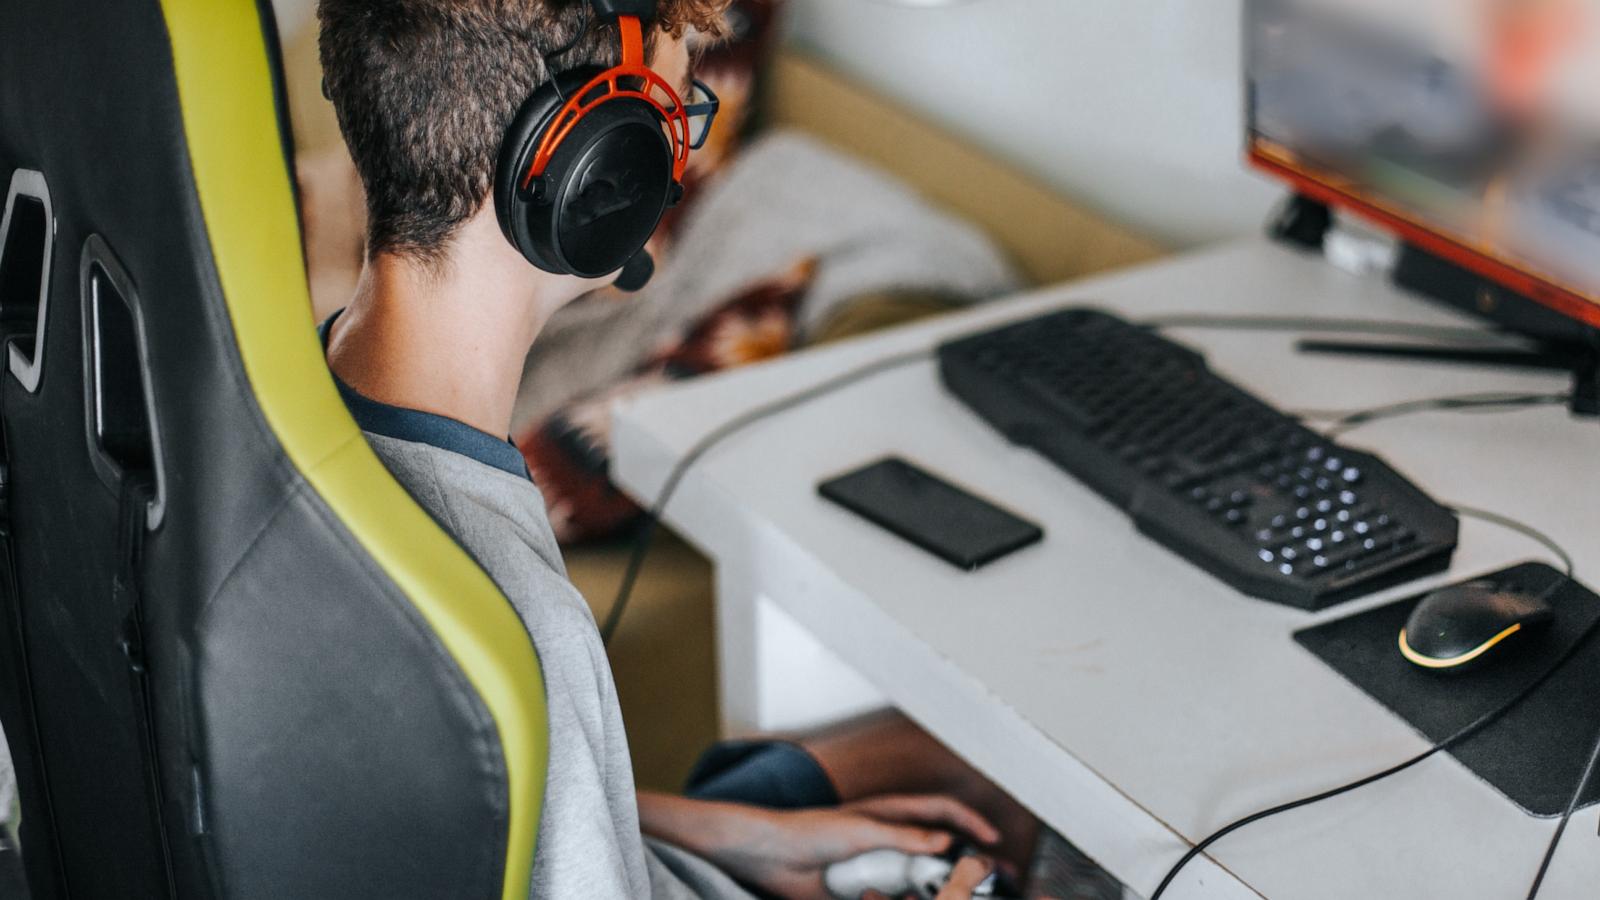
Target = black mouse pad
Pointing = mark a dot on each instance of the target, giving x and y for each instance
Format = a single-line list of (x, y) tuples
[(1536, 753)]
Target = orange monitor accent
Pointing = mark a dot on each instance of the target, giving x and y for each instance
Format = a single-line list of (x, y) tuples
[(1326, 189)]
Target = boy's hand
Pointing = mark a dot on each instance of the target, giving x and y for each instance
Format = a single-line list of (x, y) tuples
[(789, 856), (968, 874), (785, 852), (935, 811)]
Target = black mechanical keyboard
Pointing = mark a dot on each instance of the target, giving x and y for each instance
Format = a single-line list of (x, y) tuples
[(1238, 488)]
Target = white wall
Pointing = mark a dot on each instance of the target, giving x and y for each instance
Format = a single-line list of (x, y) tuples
[(1132, 106)]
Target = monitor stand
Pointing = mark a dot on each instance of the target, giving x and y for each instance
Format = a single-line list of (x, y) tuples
[(1582, 361), (1556, 342)]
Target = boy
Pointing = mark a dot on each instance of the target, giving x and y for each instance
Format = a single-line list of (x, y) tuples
[(428, 356)]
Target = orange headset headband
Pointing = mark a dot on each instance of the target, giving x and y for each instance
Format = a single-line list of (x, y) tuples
[(613, 84)]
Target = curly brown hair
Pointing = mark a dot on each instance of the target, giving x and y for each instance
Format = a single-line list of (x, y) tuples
[(705, 16), (424, 90)]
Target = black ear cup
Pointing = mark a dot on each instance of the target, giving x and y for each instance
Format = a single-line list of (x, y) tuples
[(517, 148), (603, 193)]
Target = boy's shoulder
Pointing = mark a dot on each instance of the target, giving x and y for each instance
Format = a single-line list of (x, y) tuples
[(499, 519)]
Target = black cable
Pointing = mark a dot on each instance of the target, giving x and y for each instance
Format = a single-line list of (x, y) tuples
[(547, 58), (1224, 322), (1459, 737), (1448, 743), (646, 536), (1486, 401), (583, 29), (1348, 421), (1566, 817), (1594, 753), (1525, 530)]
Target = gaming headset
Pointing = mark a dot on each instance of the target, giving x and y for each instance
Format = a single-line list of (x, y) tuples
[(593, 160)]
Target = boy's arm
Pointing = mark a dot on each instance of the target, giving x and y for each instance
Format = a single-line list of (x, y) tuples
[(786, 851)]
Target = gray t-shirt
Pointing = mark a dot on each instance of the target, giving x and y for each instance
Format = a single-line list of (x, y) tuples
[(589, 841)]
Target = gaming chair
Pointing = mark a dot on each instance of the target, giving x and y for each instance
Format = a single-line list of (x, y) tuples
[(236, 660)]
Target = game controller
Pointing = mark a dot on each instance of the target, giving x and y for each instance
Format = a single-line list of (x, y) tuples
[(895, 874)]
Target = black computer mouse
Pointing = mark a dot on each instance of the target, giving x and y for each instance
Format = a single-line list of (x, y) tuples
[(1457, 627)]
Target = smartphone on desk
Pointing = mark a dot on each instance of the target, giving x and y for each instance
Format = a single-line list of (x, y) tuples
[(918, 506)]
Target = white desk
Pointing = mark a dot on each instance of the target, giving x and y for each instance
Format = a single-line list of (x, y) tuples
[(1125, 696)]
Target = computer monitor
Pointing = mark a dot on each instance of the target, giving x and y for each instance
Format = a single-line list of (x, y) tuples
[(1470, 129)]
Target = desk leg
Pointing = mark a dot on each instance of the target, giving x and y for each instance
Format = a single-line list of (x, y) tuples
[(774, 676), (738, 699)]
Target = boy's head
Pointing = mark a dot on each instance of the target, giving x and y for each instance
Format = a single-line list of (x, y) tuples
[(424, 90)]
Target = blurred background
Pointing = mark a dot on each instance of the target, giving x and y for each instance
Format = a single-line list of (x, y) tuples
[(1132, 106)]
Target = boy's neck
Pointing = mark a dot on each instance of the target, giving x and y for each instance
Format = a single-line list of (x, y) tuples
[(451, 338)]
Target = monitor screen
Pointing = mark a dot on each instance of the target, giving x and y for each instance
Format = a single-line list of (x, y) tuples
[(1469, 128)]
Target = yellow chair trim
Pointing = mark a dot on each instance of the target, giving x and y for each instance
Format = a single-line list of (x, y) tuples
[(226, 92)]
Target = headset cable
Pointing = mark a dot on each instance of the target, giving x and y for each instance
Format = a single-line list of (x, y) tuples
[(653, 516)]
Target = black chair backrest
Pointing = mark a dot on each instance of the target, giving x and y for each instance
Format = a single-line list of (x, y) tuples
[(235, 659)]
